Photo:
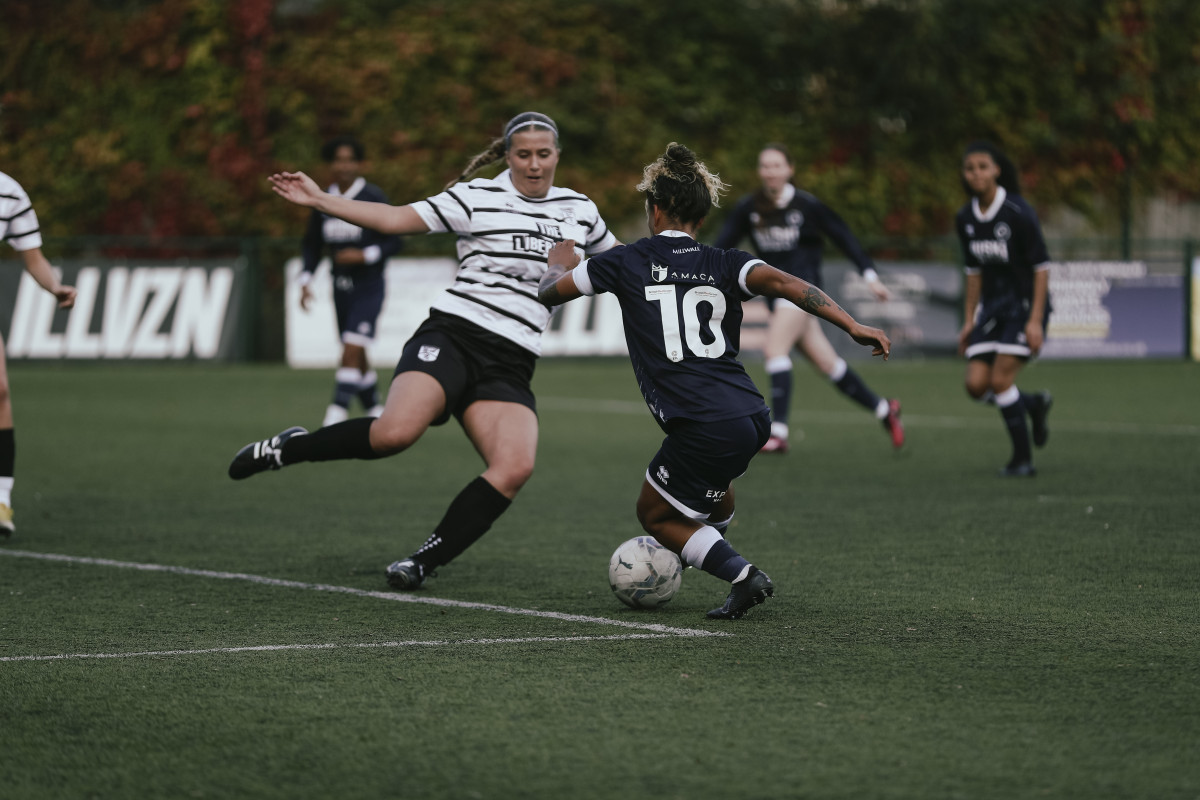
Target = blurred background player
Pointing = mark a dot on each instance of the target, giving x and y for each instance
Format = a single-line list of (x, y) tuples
[(1006, 299), (359, 257), (19, 228), (681, 306), (474, 357), (786, 227)]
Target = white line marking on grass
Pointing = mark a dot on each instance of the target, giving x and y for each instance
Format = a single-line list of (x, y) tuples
[(393, 596), (856, 418), (365, 645)]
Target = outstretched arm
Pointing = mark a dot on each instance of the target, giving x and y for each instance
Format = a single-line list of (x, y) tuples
[(557, 286), (766, 280), (37, 266), (302, 190)]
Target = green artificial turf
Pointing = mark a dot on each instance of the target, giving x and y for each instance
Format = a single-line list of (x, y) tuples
[(938, 632)]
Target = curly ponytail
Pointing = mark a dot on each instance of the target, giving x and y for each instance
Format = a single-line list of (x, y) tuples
[(681, 185)]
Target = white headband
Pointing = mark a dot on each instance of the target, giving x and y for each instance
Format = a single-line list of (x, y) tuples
[(530, 119)]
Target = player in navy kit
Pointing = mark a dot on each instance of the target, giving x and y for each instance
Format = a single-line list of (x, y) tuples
[(788, 227), (681, 306), (1007, 303), (359, 256), (473, 358)]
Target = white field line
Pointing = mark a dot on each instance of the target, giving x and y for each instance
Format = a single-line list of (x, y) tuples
[(273, 647), (396, 597), (859, 417)]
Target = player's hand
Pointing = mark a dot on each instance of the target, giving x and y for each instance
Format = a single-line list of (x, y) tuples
[(563, 254), (880, 291), (296, 187), (873, 338), (65, 296), (306, 296), (349, 255), (963, 335), (1034, 335)]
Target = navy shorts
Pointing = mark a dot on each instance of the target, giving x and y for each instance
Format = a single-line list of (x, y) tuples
[(470, 362), (358, 301), (1001, 330), (698, 460)]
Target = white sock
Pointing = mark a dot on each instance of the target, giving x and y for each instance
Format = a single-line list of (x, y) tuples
[(348, 375), (881, 410), (839, 370), (778, 364), (6, 485), (698, 546), (1009, 396)]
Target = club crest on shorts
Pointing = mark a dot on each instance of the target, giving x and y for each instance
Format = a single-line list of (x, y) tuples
[(658, 272), (428, 353), (663, 475)]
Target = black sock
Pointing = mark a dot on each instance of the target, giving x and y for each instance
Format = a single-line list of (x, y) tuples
[(343, 393), (853, 387), (368, 396), (1030, 401), (349, 439), (469, 516), (781, 395), (8, 452), (1018, 430)]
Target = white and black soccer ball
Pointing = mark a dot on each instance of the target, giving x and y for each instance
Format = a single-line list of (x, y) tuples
[(643, 573)]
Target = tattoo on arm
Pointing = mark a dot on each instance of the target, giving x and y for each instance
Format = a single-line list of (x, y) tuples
[(813, 298), (547, 287)]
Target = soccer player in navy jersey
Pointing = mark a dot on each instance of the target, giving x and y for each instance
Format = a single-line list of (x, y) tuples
[(19, 229), (681, 306), (1007, 297), (788, 228), (359, 257), (473, 358)]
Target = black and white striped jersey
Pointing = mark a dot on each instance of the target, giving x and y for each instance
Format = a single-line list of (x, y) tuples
[(503, 238), (18, 222)]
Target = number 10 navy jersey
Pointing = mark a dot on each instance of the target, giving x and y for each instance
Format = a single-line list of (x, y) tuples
[(682, 308)]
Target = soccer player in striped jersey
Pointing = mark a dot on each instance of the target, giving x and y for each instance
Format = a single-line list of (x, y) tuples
[(473, 358), (359, 256), (1007, 297), (19, 228), (787, 227), (681, 308)]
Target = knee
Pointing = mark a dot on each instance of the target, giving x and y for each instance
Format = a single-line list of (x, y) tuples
[(5, 397), (389, 439), (976, 389), (1000, 383), (508, 477)]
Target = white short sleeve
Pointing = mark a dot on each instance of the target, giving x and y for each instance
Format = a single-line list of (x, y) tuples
[(583, 281), (744, 272)]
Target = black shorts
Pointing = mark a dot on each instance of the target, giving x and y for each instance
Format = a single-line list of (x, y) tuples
[(698, 460), (1001, 330), (470, 362), (358, 301)]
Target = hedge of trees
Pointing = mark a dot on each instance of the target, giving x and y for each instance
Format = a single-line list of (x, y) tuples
[(163, 117)]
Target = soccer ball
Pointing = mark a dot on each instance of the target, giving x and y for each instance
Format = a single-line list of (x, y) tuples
[(643, 573)]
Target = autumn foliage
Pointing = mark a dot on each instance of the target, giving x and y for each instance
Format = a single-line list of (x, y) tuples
[(163, 118)]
